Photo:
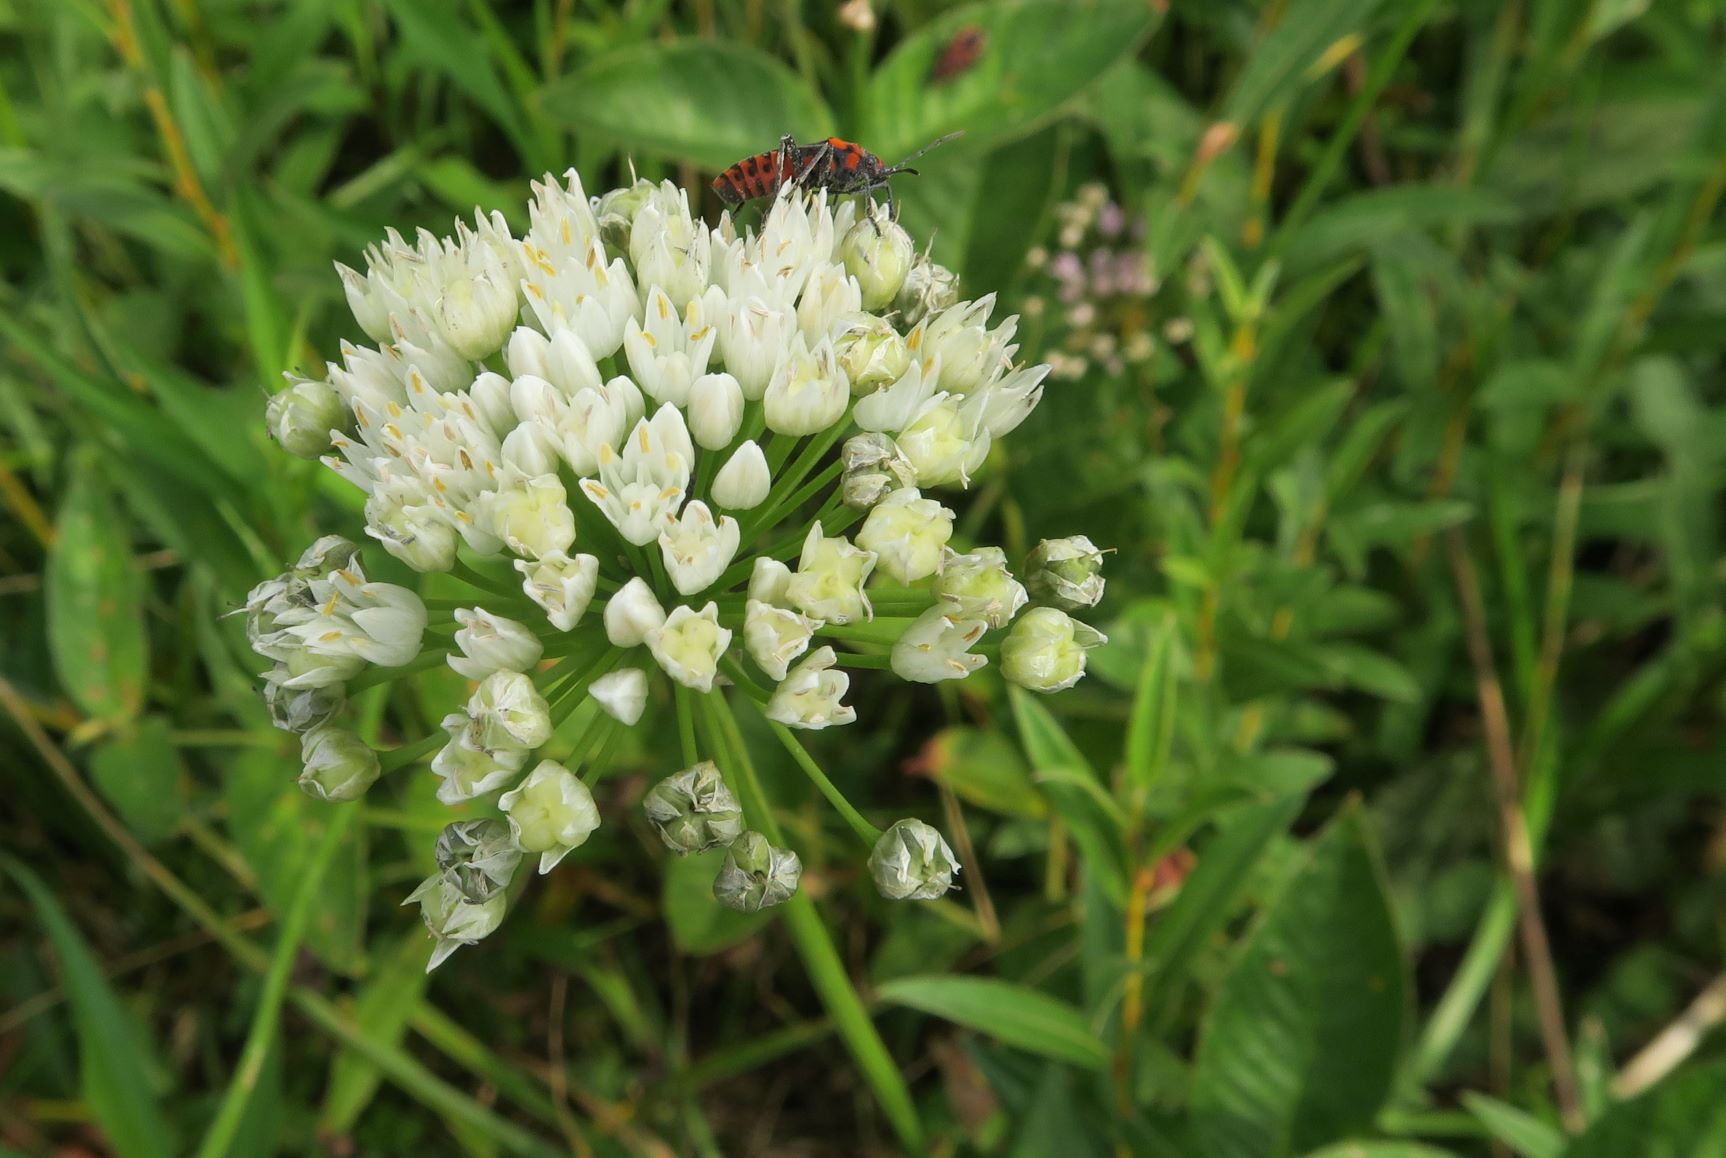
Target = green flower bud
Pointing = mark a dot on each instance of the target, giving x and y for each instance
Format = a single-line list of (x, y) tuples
[(1067, 573), (756, 875), (302, 416), (339, 766), (693, 810), (979, 586), (299, 710), (912, 863), (879, 254), (616, 213), (870, 351), (479, 857), (453, 919), (1045, 650), (329, 553)]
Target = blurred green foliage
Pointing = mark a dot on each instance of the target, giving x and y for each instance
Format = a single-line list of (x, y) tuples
[(1414, 481)]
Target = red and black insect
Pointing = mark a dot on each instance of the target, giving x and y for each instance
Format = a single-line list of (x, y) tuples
[(836, 165), (961, 53)]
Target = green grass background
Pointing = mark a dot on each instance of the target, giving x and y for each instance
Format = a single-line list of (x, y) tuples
[(1417, 581)]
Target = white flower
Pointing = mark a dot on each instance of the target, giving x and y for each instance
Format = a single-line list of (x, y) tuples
[(754, 336), (1045, 650), (669, 247), (530, 515), (338, 624), (936, 647), (337, 764), (668, 354), (928, 288), (830, 294), (476, 313), (978, 585), (895, 407), (466, 767), (870, 351), (808, 392), (809, 696), (301, 417), (697, 549), (715, 410), (454, 920), (689, 645), (828, 583), (775, 636), (550, 812), (969, 353), (1002, 404), (632, 613), (406, 517), (878, 253), (491, 643), (911, 862), (622, 694), (1067, 573), (508, 712), (769, 581), (907, 533), (562, 584), (743, 483), (642, 489), (945, 444)]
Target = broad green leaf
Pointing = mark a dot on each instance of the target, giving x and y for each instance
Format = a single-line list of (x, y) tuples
[(138, 771), (381, 1011), (1056, 1121), (1151, 726), (700, 925), (1282, 63), (1299, 1049), (116, 1069), (276, 827), (712, 102), (1075, 792), (1544, 167), (1355, 224), (983, 767), (1037, 55), (1274, 773), (95, 596), (1208, 897), (1525, 1134), (1682, 1117), (1017, 1015)]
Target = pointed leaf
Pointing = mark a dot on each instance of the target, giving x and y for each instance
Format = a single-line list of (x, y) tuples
[(1015, 1014)]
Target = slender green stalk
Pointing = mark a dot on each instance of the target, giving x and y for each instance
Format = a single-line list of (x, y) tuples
[(826, 971), (865, 831), (398, 758), (266, 1019), (374, 675)]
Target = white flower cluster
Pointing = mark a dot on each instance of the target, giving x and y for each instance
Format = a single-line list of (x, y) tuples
[(640, 440)]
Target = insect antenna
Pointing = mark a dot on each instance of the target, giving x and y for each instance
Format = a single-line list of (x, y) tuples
[(905, 165)]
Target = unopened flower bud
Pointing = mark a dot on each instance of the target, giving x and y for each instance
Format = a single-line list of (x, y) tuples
[(907, 532), (744, 481), (476, 314), (454, 920), (928, 289), (769, 581), (944, 444), (756, 875), (879, 254), (299, 710), (937, 647), (715, 410), (828, 583), (1045, 650), (479, 857), (301, 417), (808, 697), (979, 586), (874, 468), (562, 584), (693, 810), (808, 392), (870, 351), (632, 613), (912, 863), (339, 766), (689, 645), (550, 812), (1067, 573), (510, 712), (466, 767), (491, 643), (329, 553), (616, 213), (622, 695)]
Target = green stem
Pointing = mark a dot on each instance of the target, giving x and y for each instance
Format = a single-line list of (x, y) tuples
[(398, 758), (485, 583), (859, 660), (814, 946), (865, 831), (266, 1019), (374, 676), (685, 724)]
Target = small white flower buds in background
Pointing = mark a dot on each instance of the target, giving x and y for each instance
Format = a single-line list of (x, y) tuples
[(338, 765), (693, 810), (756, 875), (550, 812), (911, 862), (301, 417), (1067, 573), (1045, 650)]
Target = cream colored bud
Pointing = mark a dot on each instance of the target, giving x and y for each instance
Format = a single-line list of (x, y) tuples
[(715, 410), (879, 254), (744, 481), (632, 613)]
